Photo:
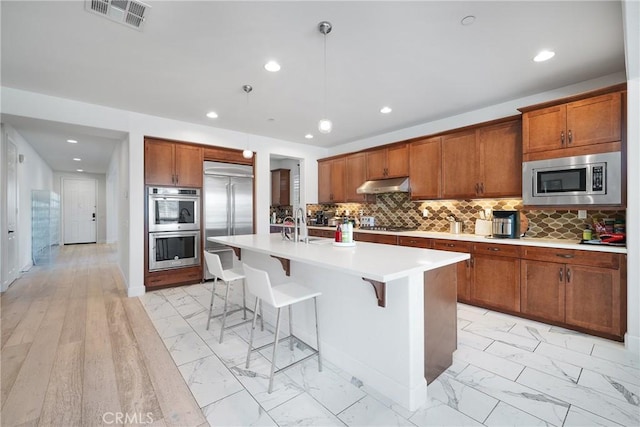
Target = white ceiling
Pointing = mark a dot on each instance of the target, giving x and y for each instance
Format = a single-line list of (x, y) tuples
[(193, 57)]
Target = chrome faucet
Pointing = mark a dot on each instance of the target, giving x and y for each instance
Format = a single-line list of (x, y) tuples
[(300, 227)]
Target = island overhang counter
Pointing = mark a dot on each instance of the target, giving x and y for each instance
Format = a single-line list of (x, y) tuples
[(395, 336)]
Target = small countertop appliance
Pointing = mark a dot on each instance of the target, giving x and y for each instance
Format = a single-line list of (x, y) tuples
[(506, 224)]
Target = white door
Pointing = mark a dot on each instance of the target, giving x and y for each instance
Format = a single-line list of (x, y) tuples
[(11, 271), (79, 207)]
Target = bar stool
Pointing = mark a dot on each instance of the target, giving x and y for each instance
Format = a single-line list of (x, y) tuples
[(284, 295), (227, 276)]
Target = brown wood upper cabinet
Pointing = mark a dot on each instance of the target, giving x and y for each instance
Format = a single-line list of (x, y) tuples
[(388, 162), (567, 129), (355, 176), (280, 185), (331, 180), (424, 168), (482, 162), (172, 163)]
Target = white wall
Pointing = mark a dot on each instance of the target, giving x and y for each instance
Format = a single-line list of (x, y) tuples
[(631, 14), (101, 200), (117, 195), (33, 174)]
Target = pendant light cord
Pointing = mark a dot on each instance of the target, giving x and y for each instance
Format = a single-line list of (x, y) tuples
[(324, 106)]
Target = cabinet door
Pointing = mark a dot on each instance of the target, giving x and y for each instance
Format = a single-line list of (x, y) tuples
[(376, 164), (496, 282), (280, 184), (459, 165), (158, 163), (593, 298), (424, 168), (188, 165), (324, 181), (356, 175), (500, 163), (594, 120), (398, 161), (544, 129), (337, 180), (542, 289)]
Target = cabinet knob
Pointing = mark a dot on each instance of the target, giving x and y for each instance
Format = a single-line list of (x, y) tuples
[(570, 137), (562, 138)]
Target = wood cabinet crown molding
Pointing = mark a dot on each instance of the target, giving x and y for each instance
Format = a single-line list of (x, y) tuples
[(622, 87)]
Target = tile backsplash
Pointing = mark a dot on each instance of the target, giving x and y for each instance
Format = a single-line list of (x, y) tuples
[(398, 210)]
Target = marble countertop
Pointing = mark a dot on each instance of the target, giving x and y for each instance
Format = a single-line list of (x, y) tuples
[(523, 241), (370, 260)]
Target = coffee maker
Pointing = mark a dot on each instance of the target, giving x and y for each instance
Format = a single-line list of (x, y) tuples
[(506, 224), (320, 218)]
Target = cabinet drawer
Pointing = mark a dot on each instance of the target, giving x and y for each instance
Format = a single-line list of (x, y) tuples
[(179, 276), (452, 245), (376, 238), (497, 249), (572, 256), (416, 242)]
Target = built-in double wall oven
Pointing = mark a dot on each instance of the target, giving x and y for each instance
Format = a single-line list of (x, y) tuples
[(174, 227)]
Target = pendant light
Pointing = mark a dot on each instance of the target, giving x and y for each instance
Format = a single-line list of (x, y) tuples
[(325, 125), (247, 153)]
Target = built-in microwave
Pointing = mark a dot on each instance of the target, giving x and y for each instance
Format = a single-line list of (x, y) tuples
[(172, 209), (594, 179), (173, 249)]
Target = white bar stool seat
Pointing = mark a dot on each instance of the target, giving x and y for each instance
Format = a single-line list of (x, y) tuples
[(284, 295), (227, 276)]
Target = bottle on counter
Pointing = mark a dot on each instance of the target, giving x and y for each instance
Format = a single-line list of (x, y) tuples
[(587, 234), (346, 232), (338, 234)]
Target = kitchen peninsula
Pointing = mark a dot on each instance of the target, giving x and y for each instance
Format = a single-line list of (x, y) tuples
[(387, 314)]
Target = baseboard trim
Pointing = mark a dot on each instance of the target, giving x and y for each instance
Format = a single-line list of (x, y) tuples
[(632, 343)]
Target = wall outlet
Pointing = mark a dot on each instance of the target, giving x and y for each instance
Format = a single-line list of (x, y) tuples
[(582, 214), (425, 213)]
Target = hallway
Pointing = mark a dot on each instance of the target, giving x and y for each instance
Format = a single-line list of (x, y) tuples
[(77, 352)]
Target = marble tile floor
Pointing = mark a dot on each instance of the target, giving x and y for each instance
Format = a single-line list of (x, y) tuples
[(507, 371)]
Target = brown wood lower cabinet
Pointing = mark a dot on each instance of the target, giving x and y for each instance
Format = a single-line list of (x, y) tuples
[(166, 278), (587, 292), (463, 268), (387, 239), (329, 232)]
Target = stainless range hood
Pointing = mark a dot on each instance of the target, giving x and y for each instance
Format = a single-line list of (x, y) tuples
[(392, 185)]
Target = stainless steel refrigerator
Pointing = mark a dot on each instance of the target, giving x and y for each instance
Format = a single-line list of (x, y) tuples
[(228, 205)]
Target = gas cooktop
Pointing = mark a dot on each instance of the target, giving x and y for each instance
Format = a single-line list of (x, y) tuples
[(388, 228)]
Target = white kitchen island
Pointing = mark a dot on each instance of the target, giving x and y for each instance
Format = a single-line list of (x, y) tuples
[(387, 314)]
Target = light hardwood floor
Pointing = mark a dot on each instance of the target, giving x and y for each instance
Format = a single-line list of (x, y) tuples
[(76, 351)]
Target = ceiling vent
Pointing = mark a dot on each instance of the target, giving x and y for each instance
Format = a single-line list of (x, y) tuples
[(130, 13)]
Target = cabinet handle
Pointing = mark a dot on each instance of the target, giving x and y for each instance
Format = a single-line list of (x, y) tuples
[(568, 275), (451, 245), (493, 249), (561, 274), (177, 180), (567, 256), (471, 261), (570, 137), (477, 188), (562, 138), (482, 188)]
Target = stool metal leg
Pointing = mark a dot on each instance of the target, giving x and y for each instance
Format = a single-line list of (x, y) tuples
[(315, 305), (290, 329), (261, 317), (213, 293), (224, 313), (244, 300), (275, 352), (253, 327)]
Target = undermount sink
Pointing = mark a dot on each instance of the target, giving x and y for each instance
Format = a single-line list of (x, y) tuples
[(319, 241)]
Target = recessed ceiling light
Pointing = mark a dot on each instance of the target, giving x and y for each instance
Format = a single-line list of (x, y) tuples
[(272, 66), (385, 110), (468, 20), (212, 115), (544, 55), (79, 170), (77, 159), (72, 141), (308, 136)]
